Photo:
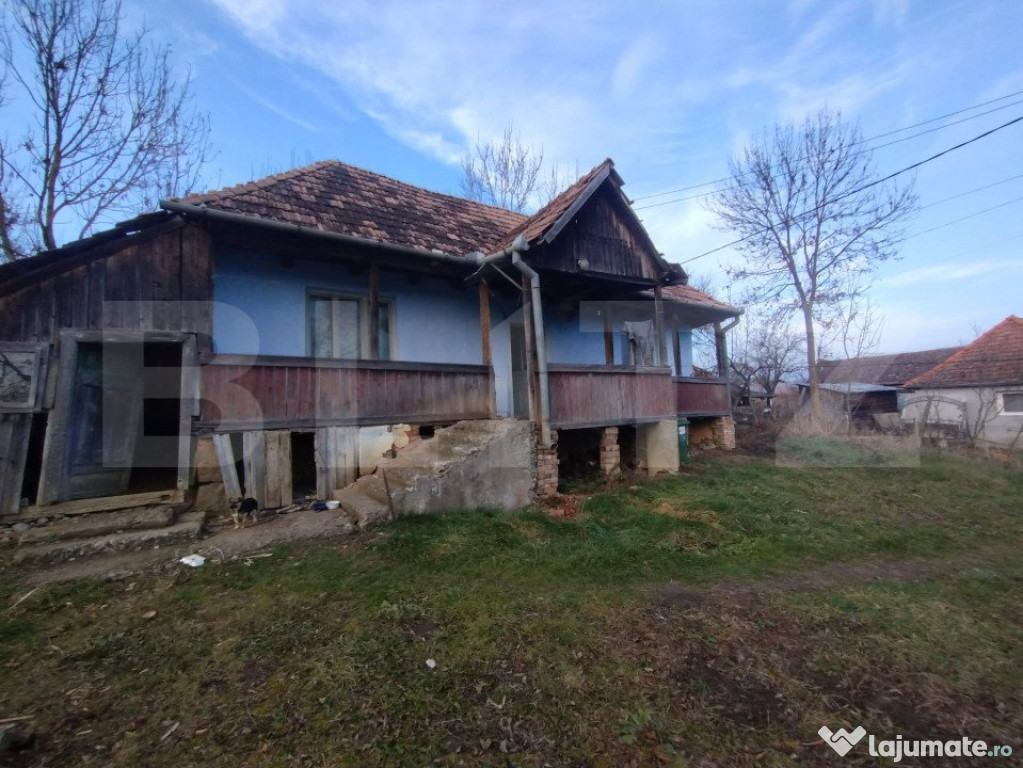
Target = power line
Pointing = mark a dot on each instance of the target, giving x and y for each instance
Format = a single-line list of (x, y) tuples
[(861, 141), (962, 218), (864, 187)]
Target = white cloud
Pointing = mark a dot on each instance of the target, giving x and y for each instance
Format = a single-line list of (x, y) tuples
[(941, 273)]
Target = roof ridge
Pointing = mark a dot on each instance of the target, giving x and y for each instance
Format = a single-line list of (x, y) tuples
[(961, 351), (265, 181)]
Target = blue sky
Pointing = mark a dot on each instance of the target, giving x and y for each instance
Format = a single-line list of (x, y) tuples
[(669, 90)]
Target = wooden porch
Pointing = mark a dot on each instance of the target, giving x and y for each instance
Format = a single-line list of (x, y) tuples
[(608, 395), (696, 396), (241, 393)]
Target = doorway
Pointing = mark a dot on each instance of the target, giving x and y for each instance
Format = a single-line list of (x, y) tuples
[(117, 425)]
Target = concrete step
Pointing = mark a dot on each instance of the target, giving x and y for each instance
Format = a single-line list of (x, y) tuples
[(100, 524), (363, 509), (187, 529)]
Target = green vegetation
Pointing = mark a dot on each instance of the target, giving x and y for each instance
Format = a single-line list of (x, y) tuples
[(722, 616)]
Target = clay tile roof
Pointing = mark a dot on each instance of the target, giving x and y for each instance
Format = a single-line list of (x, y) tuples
[(335, 197), (689, 295), (888, 370), (995, 357)]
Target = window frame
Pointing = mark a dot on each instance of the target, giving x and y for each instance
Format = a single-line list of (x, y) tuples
[(385, 302), (1006, 411)]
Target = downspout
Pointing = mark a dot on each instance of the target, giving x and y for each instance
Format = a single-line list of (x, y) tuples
[(541, 348), (515, 250)]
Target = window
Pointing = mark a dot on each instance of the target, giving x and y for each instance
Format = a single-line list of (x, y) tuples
[(338, 327), (1012, 402), (21, 376)]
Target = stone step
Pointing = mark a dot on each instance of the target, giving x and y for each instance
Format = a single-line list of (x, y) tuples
[(363, 509), (187, 529), (100, 524)]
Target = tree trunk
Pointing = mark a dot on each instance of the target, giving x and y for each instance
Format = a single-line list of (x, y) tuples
[(816, 413)]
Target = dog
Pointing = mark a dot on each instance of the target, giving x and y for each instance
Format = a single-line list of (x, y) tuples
[(242, 508)]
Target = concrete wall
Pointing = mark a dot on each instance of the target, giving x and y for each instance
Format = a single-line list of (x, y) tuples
[(978, 410)]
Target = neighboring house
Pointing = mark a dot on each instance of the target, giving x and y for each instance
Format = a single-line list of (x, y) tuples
[(289, 319), (978, 389), (869, 386)]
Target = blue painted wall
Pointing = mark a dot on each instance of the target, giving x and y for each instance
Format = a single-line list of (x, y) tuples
[(260, 308)]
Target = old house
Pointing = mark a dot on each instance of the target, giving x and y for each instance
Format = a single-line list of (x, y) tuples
[(871, 386), (978, 390), (297, 327)]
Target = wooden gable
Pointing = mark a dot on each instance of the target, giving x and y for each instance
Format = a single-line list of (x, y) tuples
[(604, 238)]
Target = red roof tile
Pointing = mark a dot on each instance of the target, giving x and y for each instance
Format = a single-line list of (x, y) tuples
[(995, 357), (335, 197), (689, 295)]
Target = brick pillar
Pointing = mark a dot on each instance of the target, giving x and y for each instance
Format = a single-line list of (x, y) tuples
[(610, 453), (724, 433), (547, 468)]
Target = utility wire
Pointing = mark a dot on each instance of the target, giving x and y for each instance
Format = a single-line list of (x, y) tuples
[(853, 154), (864, 187), (862, 141)]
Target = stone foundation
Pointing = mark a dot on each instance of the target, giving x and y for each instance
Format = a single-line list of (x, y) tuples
[(724, 433), (547, 468), (712, 434), (610, 453)]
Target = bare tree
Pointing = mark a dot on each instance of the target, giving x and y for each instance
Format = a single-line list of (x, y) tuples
[(509, 174), (112, 131), (813, 218), (765, 351)]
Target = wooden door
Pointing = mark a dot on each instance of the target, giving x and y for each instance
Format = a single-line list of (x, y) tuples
[(103, 414)]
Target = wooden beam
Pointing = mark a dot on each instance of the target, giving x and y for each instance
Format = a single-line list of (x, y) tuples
[(373, 353), (228, 469), (189, 409), (484, 290), (676, 348), (609, 342)]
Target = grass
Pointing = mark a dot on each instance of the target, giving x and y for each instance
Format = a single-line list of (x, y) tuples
[(713, 618)]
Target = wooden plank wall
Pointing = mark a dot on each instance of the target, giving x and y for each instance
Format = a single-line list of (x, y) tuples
[(593, 396), (161, 282), (268, 467), (602, 237), (14, 432), (701, 397), (337, 459), (304, 393)]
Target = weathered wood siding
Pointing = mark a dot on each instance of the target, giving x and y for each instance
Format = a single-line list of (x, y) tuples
[(242, 393), (14, 434), (701, 397), (601, 235), (606, 395), (150, 282)]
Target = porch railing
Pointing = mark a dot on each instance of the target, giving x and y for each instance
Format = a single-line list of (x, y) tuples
[(696, 396), (242, 393), (606, 395)]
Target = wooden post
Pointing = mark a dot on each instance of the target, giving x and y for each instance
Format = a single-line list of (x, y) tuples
[(373, 353), (676, 348), (721, 349), (662, 351), (189, 397), (609, 342), (484, 290)]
